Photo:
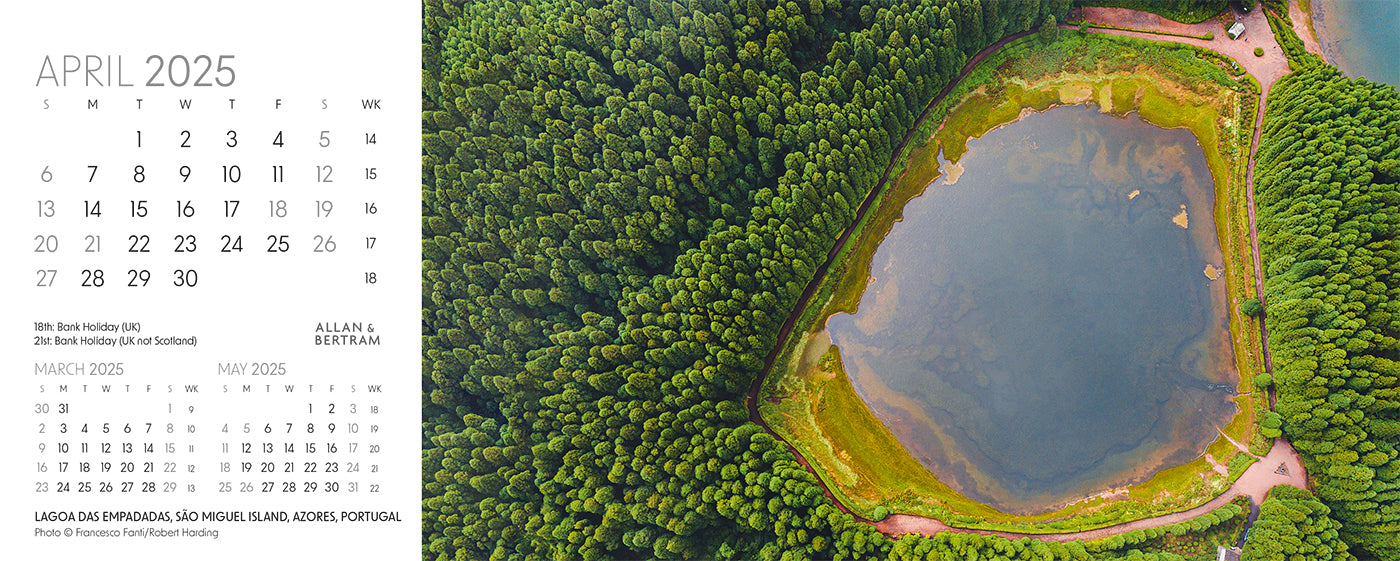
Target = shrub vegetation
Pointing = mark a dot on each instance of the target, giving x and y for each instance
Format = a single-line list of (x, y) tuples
[(1328, 196)]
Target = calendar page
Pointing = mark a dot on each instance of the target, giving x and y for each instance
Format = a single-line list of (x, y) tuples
[(211, 292)]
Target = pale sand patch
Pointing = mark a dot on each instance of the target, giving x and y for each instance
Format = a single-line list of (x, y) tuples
[(1303, 20), (812, 351), (1134, 194), (1075, 93), (952, 171), (1219, 468), (1237, 444), (1110, 494), (1106, 97), (1180, 219)]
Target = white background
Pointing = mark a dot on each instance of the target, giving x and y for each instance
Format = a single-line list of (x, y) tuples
[(252, 306)]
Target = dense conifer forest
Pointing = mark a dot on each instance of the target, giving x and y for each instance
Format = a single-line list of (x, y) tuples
[(1293, 523), (1328, 197), (622, 201)]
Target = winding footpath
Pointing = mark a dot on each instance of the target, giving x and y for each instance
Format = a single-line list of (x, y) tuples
[(1281, 466)]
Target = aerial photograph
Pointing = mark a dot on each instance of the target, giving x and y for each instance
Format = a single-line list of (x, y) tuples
[(939, 280)]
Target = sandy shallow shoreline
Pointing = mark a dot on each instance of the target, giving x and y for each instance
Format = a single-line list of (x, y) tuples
[(1304, 26)]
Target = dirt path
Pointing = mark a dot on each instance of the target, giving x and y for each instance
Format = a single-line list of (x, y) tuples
[(1260, 477), (1238, 445)]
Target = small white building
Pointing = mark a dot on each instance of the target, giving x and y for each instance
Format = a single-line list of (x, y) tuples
[(1236, 30)]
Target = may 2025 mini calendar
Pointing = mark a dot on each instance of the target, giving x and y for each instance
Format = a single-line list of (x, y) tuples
[(210, 315)]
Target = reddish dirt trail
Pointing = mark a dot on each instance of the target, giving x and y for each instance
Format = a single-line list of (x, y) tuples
[(1260, 477)]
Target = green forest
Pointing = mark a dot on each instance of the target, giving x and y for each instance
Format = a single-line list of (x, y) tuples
[(1328, 198), (623, 200), (1293, 523)]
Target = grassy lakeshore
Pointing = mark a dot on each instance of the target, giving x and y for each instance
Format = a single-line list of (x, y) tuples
[(819, 412)]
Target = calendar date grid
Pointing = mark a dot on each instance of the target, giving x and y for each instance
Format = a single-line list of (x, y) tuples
[(173, 440), (177, 204)]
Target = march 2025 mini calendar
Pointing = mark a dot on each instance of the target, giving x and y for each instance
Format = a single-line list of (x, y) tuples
[(211, 237)]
